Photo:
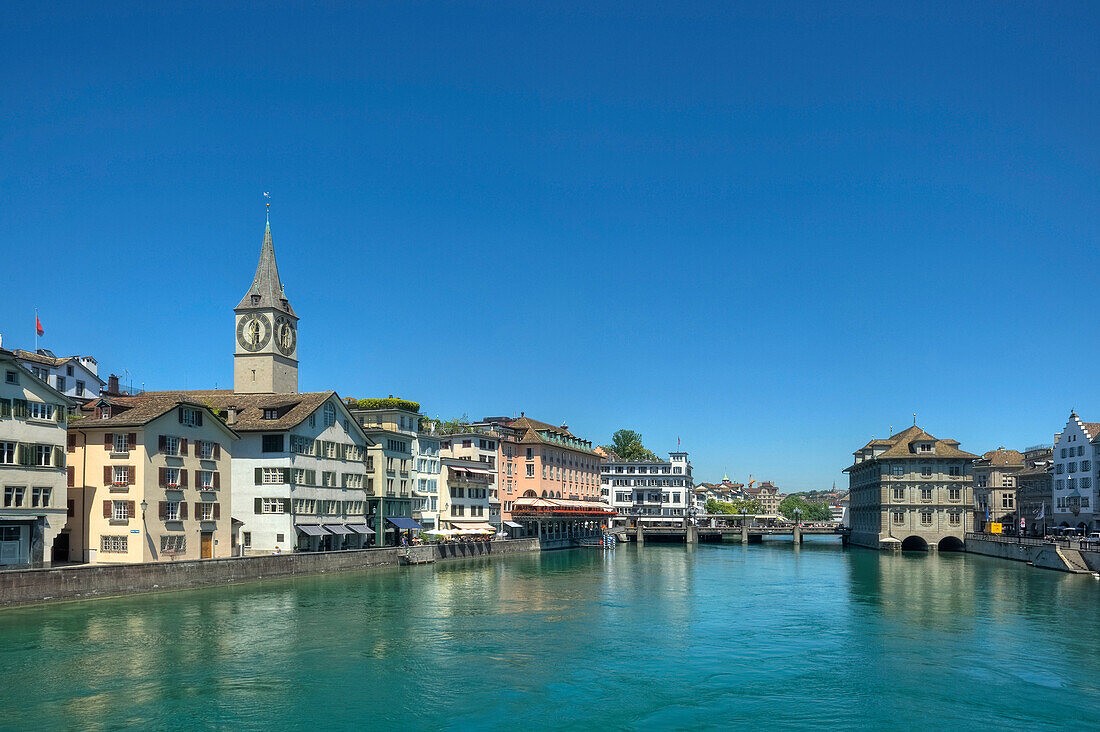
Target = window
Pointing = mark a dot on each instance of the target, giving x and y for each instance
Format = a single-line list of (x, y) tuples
[(953, 519), (329, 415), (271, 414), (40, 497), (954, 470), (7, 453), (113, 544), (926, 518), (122, 446), (42, 455), (899, 494), (531, 470), (11, 377), (926, 471), (68, 370), (270, 476), (173, 543), (13, 496), (1007, 500), (172, 477), (1080, 449), (205, 479), (40, 410), (1058, 484), (954, 494), (206, 450), (1071, 467), (926, 493), (328, 478), (119, 511), (207, 511), (120, 475), (246, 536), (1063, 452), (272, 443), (1086, 484), (61, 383), (1058, 468), (1086, 465), (271, 505), (190, 417), (172, 511), (530, 453), (80, 388), (899, 518), (312, 420), (458, 510)]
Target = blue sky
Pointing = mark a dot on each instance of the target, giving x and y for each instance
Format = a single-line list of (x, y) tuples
[(770, 230)]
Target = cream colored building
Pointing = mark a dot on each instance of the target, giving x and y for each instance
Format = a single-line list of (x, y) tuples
[(911, 491), (995, 475), (150, 481)]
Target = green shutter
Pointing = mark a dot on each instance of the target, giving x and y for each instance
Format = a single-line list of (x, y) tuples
[(259, 505), (259, 476), (286, 475), (286, 505), (20, 408), (58, 457), (60, 413), (5, 408)]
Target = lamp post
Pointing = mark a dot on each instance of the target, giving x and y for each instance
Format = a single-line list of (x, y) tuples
[(144, 506), (798, 516)]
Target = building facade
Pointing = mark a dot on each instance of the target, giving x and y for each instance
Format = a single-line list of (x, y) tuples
[(648, 488), (77, 377), (33, 467), (464, 494), (391, 469), (150, 481), (995, 475), (425, 504), (911, 491), (482, 451), (1076, 449), (1035, 490)]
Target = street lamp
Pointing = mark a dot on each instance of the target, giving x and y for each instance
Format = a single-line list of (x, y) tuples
[(798, 516), (144, 505)]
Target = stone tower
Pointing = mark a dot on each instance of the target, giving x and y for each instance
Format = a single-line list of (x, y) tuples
[(265, 360)]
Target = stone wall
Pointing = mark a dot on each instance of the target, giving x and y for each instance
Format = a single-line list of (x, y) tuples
[(30, 586), (1040, 555)]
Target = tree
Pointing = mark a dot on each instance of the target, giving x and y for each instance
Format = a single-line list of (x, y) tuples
[(732, 507), (810, 511), (627, 444), (458, 424)]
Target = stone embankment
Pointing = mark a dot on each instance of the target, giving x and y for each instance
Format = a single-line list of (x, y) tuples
[(33, 586), (1037, 552)]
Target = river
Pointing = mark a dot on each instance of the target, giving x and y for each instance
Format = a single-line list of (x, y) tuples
[(658, 636)]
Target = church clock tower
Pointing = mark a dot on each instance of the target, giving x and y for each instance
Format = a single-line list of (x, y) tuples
[(265, 360)]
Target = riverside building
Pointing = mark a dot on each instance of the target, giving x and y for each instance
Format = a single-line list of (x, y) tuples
[(643, 488), (911, 491), (33, 467), (1034, 490), (391, 466), (1076, 448), (478, 474), (995, 475)]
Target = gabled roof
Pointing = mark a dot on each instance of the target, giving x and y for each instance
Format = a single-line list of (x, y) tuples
[(293, 408), (10, 357), (1003, 458), (266, 284), (138, 411), (54, 361), (902, 445)]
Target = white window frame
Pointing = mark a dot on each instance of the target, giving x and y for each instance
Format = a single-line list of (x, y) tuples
[(172, 511), (119, 511), (172, 477), (120, 475)]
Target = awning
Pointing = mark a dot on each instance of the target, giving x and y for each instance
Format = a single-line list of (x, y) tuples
[(403, 522), (479, 471), (310, 529), (473, 525), (513, 524), (361, 529), (338, 529)]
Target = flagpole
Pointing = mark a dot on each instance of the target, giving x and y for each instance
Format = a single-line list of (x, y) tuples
[(36, 330)]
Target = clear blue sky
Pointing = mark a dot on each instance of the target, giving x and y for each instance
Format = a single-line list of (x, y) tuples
[(772, 232)]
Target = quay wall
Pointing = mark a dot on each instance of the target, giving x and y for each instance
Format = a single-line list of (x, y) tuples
[(1040, 555), (57, 584)]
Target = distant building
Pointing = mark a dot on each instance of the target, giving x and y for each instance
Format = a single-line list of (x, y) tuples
[(1035, 490), (726, 491), (33, 467), (1075, 473), (911, 491), (648, 488), (995, 475), (767, 495), (77, 377)]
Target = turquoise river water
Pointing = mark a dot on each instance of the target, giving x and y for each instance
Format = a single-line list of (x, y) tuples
[(661, 636)]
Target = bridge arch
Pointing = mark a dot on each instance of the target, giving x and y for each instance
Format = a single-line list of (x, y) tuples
[(950, 544), (914, 544)]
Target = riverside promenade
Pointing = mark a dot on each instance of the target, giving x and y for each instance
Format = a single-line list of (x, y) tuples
[(86, 581)]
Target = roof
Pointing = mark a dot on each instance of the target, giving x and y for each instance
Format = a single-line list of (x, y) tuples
[(1093, 428), (902, 444), (550, 506), (53, 361), (266, 284), (137, 411), (6, 355), (294, 408), (1003, 458), (529, 432)]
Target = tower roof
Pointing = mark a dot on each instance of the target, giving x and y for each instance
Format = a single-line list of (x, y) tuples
[(267, 288)]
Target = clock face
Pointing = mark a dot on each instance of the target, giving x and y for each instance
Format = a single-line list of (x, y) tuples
[(285, 336), (253, 332)]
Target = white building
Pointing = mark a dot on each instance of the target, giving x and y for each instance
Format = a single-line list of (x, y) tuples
[(32, 465), (1075, 474), (77, 377), (484, 448), (426, 480), (464, 494), (646, 488)]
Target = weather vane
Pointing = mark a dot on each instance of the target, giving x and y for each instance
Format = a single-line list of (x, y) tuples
[(268, 197)]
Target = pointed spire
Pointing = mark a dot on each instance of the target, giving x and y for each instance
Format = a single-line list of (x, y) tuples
[(267, 289)]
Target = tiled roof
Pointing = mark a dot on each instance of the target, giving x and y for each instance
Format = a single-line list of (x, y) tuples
[(1093, 428), (39, 358), (134, 411), (901, 446), (266, 283), (529, 432), (1003, 458), (293, 408)]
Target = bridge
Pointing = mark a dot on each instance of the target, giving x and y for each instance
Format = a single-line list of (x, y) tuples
[(717, 529)]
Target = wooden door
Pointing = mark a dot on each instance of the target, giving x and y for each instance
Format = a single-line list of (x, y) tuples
[(206, 545)]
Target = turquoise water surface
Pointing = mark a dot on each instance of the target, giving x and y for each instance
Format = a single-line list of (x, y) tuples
[(659, 636)]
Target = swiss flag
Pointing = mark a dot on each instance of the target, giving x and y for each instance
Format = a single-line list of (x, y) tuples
[(38, 326)]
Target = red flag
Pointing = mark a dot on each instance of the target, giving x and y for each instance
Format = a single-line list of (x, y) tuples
[(38, 326)]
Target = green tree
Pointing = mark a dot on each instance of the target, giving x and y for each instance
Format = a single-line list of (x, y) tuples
[(810, 511), (458, 424), (627, 444), (731, 507)]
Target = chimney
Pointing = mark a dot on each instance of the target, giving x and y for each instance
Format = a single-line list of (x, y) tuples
[(112, 385), (231, 417)]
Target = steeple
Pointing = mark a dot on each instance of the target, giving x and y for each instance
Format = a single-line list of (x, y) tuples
[(267, 288)]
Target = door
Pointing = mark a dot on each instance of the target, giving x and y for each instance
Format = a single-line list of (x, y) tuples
[(206, 545), (61, 547)]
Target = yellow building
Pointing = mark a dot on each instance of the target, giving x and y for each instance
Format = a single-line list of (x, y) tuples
[(150, 481)]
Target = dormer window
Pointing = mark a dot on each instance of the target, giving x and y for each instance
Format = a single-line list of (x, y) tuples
[(925, 447), (271, 414), (105, 411), (255, 299)]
